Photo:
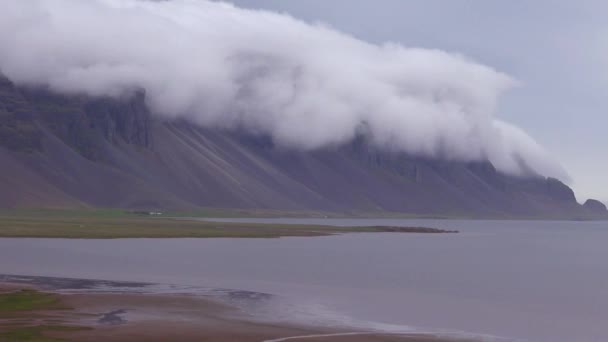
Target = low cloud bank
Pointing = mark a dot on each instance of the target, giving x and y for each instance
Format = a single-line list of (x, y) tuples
[(307, 86)]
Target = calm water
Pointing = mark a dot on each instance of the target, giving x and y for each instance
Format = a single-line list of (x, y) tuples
[(537, 281)]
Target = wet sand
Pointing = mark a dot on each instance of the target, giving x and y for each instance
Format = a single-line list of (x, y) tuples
[(145, 317)]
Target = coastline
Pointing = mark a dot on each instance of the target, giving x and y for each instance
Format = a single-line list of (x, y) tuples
[(93, 316), (121, 225)]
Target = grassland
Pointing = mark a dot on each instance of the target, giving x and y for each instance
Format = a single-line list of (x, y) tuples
[(27, 300), (109, 224), (38, 333), (19, 310)]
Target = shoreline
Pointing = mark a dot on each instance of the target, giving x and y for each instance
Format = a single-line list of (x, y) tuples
[(235, 213), (89, 225), (94, 317)]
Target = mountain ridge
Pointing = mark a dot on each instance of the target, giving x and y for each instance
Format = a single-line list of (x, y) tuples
[(66, 151)]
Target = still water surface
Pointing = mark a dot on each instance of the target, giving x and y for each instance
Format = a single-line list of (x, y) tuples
[(530, 280)]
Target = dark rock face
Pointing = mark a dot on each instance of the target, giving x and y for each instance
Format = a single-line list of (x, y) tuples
[(595, 206), (18, 131), (559, 190), (85, 124), (73, 151)]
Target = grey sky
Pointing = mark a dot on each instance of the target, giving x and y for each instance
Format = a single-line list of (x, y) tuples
[(556, 49)]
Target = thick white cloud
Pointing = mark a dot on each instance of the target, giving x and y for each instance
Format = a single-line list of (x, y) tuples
[(307, 86)]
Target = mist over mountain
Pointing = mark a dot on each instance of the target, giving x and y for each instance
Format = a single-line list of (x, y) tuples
[(306, 86), (75, 151), (188, 104)]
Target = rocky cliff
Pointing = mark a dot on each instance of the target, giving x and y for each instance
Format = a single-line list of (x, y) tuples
[(595, 206), (59, 151)]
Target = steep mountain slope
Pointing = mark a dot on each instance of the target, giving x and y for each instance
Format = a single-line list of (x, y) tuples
[(63, 151)]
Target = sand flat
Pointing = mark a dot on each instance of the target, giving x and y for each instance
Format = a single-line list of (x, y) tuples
[(145, 317)]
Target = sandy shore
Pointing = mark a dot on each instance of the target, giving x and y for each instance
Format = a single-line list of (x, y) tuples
[(142, 317)]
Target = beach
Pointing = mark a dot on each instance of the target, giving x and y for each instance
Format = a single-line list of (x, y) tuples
[(94, 317)]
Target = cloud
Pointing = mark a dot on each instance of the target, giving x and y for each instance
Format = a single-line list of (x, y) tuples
[(307, 86)]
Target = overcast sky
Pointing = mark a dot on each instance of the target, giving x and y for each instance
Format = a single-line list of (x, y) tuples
[(556, 49)]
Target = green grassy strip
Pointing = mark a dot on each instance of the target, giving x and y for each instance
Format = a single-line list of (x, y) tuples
[(36, 333), (28, 300), (118, 224)]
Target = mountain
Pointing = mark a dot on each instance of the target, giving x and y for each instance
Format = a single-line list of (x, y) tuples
[(595, 206), (71, 151)]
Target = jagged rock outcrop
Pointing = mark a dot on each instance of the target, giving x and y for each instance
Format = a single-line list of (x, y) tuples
[(76, 151)]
